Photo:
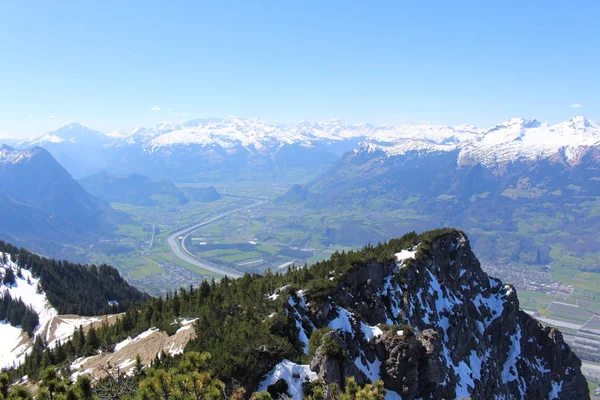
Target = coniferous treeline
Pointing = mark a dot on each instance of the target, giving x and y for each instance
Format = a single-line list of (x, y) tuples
[(16, 313), (246, 332), (76, 288)]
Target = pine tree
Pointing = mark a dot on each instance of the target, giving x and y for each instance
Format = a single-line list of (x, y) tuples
[(92, 342), (9, 277)]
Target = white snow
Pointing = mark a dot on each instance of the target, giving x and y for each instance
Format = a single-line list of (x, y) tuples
[(8, 155), (391, 395), (405, 255), (555, 391), (514, 139), (27, 292), (13, 351), (494, 305), (294, 374), (370, 332), (121, 345), (127, 363), (342, 323), (465, 380), (530, 139), (511, 140), (509, 371), (475, 363), (67, 326), (296, 306), (370, 369), (188, 321), (78, 363), (275, 295)]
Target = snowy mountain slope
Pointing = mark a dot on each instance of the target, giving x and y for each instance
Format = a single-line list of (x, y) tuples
[(229, 147), (147, 345), (70, 134), (430, 325), (515, 140), (512, 139), (39, 296), (15, 343), (532, 140), (258, 135)]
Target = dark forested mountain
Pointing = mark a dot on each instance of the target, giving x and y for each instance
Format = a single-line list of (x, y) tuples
[(75, 288), (42, 206), (141, 190), (416, 314), (132, 189), (202, 194)]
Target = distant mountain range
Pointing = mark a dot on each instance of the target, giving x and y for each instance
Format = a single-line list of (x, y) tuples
[(489, 181), (527, 190), (249, 148), (43, 207)]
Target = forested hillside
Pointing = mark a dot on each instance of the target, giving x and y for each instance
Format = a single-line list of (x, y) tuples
[(252, 325), (235, 317), (76, 288)]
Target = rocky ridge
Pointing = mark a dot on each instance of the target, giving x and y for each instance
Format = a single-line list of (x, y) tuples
[(431, 324)]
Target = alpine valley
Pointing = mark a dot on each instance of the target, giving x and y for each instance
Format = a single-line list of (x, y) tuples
[(293, 212)]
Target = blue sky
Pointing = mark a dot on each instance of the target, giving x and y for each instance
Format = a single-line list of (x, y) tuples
[(107, 64)]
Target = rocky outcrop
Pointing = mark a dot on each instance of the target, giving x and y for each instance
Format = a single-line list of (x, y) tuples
[(335, 365), (434, 325)]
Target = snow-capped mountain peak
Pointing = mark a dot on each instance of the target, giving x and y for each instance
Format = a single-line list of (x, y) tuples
[(580, 122), (520, 139), (511, 140), (74, 133)]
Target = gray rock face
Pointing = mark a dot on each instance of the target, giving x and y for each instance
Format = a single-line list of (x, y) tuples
[(436, 326), (335, 367)]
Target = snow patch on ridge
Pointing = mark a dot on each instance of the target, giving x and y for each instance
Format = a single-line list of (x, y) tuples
[(294, 374), (13, 351), (405, 255)]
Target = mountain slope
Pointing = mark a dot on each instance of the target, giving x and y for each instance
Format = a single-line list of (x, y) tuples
[(417, 313), (132, 189), (141, 190), (45, 207), (433, 324), (50, 289)]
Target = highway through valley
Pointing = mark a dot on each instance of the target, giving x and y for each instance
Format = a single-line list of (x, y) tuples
[(176, 242)]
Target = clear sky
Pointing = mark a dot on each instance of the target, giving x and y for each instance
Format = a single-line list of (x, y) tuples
[(107, 64)]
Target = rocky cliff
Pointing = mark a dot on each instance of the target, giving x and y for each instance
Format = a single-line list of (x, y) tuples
[(430, 324)]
